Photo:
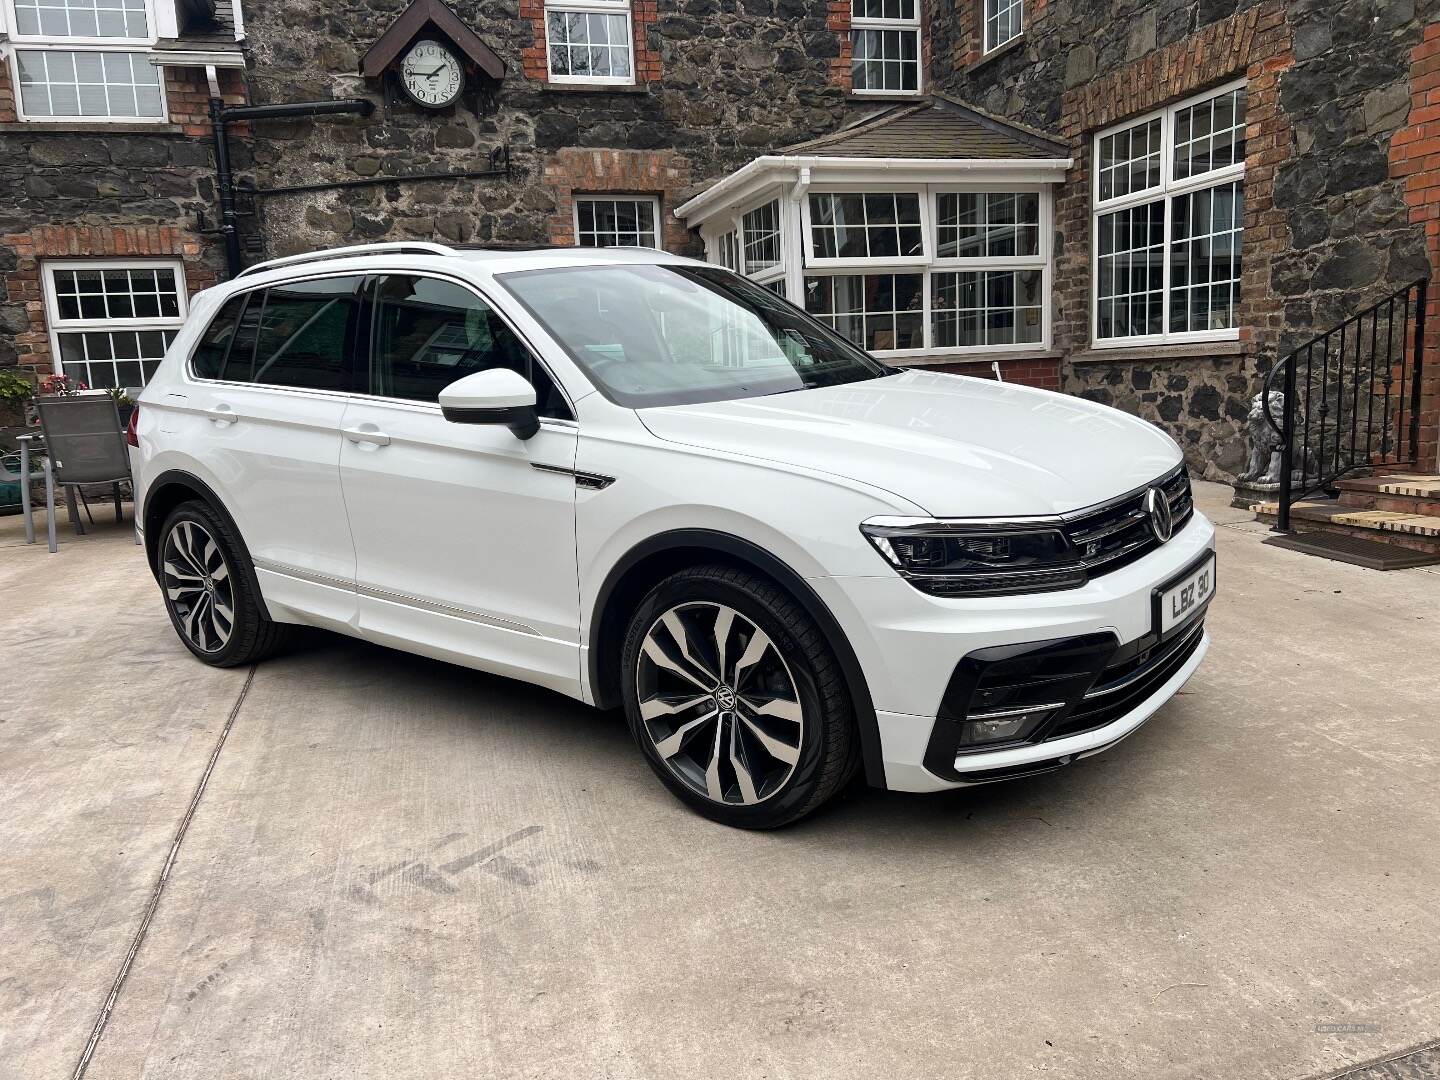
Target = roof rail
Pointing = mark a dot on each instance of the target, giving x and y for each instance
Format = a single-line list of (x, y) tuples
[(414, 247)]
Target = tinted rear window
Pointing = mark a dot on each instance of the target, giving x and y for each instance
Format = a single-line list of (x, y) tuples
[(209, 359)]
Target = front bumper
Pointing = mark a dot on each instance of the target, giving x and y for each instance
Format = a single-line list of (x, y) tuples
[(909, 643)]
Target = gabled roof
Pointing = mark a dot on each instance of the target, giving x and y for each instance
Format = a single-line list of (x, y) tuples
[(420, 14), (921, 140), (934, 127)]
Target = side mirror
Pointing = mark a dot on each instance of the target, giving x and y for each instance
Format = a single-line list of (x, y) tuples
[(494, 396)]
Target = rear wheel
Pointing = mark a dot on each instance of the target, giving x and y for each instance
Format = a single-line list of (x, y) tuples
[(210, 590), (735, 698)]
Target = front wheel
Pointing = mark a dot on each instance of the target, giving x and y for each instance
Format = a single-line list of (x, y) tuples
[(736, 699)]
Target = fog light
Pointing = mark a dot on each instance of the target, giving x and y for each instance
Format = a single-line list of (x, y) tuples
[(1009, 725)]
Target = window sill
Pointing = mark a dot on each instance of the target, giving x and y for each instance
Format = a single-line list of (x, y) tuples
[(1017, 42), (1189, 350), (46, 127), (885, 95), (595, 88)]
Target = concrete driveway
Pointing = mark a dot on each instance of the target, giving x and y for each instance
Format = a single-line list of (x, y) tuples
[(403, 869)]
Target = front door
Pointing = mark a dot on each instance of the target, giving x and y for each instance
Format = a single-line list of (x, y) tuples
[(465, 550)]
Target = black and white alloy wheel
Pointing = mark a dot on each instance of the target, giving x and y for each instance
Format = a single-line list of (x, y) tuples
[(198, 586), (210, 589), (736, 699), (719, 703)]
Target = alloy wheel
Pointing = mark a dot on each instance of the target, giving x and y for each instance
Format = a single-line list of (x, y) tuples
[(718, 703), (198, 586)]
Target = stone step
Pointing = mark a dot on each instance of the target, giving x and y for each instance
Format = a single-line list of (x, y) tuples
[(1420, 532), (1399, 493), (1397, 504), (1416, 485)]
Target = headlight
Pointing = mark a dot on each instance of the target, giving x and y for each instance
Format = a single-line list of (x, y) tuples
[(956, 559)]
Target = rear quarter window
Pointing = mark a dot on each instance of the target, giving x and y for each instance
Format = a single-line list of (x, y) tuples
[(208, 361)]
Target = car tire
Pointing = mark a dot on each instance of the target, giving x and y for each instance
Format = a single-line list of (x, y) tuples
[(736, 699), (210, 590)]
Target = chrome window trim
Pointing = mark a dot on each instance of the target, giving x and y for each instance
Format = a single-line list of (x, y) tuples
[(188, 368)]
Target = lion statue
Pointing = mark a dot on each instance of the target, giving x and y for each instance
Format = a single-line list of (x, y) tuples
[(1264, 467)]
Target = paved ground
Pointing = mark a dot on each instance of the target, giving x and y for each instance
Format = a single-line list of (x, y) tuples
[(404, 869)]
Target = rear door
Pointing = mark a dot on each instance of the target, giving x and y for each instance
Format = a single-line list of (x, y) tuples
[(272, 379), (464, 534)]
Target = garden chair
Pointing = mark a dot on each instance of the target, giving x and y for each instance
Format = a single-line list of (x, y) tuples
[(86, 445), (18, 468)]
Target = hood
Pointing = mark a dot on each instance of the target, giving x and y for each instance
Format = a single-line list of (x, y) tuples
[(954, 445)]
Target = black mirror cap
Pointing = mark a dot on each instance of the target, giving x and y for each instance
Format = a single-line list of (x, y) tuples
[(522, 420)]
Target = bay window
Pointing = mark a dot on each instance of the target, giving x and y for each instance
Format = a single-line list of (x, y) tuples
[(84, 60), (932, 269), (885, 46), (1168, 222), (589, 41)]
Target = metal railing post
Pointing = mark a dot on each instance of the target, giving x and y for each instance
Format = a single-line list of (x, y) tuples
[(1420, 302), (1287, 446)]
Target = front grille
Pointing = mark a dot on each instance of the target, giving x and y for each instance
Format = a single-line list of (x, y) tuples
[(1118, 533), (1125, 686)]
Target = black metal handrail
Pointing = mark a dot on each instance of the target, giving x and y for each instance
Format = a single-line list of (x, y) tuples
[(1351, 397)]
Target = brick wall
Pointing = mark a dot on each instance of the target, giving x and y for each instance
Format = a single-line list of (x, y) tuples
[(534, 58), (1044, 374), (662, 173), (838, 20), (187, 98), (22, 286), (7, 96), (1415, 157)]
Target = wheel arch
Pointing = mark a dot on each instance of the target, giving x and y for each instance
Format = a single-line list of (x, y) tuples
[(163, 494), (640, 568)]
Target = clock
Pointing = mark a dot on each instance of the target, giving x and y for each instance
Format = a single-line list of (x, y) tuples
[(431, 74)]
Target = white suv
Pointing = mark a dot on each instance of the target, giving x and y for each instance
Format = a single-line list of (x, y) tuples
[(648, 483)]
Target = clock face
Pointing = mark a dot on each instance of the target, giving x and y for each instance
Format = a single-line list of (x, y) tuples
[(431, 74)]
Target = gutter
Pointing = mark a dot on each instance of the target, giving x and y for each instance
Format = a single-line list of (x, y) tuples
[(708, 201)]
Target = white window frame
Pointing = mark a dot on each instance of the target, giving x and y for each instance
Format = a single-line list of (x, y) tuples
[(770, 274), (1165, 191), (601, 196), (24, 117), (592, 7), (48, 42), (912, 25), (27, 40), (927, 225), (986, 18), (928, 264), (56, 326)]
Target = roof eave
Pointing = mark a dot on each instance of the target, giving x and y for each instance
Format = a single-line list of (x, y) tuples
[(778, 168)]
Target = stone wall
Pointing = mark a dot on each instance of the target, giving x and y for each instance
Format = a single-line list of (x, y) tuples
[(1327, 224), (101, 191), (726, 81)]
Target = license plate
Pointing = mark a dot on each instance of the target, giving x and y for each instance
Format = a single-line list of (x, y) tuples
[(1187, 596)]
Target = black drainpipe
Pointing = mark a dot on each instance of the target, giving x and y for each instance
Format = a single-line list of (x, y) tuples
[(221, 116)]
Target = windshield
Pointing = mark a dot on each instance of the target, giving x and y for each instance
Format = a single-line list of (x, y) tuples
[(674, 334)]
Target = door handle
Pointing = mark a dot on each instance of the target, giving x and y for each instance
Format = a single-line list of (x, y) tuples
[(366, 433), (221, 414)]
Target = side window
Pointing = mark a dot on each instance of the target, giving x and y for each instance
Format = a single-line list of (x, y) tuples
[(427, 332), (209, 359), (305, 334)]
